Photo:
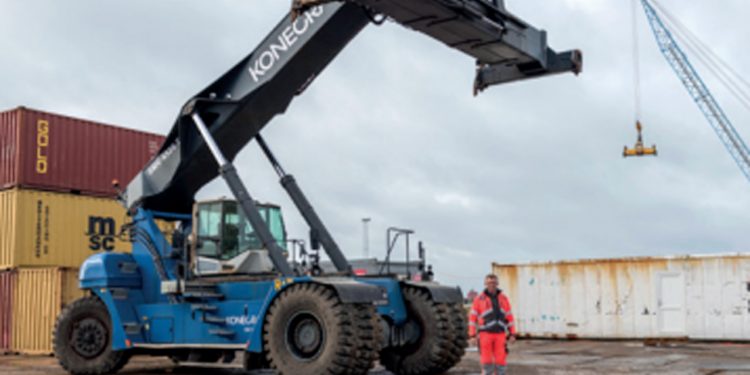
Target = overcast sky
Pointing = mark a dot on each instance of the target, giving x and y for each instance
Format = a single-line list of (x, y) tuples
[(530, 171)]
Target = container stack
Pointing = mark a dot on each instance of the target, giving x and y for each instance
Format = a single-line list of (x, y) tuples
[(57, 208)]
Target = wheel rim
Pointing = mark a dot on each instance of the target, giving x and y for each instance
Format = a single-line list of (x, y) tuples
[(89, 338), (305, 336)]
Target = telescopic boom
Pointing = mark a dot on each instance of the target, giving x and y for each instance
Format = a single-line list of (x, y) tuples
[(244, 100)]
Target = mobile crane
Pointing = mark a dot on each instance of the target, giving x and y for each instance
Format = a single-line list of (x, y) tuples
[(155, 301), (695, 86)]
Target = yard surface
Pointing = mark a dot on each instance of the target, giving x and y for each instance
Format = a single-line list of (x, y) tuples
[(527, 357)]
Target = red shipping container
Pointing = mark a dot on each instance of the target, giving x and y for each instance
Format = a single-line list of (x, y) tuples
[(45, 151), (7, 278)]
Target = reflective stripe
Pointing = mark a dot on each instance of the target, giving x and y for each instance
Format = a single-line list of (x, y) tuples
[(489, 324), (505, 327), (488, 312), (474, 312), (472, 324)]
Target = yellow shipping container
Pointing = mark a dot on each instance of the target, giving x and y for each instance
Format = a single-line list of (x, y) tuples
[(39, 229), (40, 295)]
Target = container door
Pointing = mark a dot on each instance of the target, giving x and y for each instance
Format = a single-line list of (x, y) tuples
[(671, 303)]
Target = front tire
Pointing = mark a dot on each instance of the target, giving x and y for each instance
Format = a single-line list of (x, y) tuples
[(82, 339), (308, 330)]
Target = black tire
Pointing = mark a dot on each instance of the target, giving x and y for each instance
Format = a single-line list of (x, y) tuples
[(82, 339), (308, 330), (442, 341), (459, 328)]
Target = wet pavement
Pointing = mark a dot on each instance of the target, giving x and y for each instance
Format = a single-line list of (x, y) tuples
[(526, 357)]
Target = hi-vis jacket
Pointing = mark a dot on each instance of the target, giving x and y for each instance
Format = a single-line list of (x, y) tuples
[(486, 319)]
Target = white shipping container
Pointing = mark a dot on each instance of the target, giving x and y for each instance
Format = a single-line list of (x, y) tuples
[(703, 297)]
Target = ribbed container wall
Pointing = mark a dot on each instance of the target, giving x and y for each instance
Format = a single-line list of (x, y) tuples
[(9, 147), (52, 229), (45, 151), (695, 297), (40, 295), (7, 283)]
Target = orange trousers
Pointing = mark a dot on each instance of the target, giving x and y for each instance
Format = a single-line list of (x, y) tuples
[(492, 349)]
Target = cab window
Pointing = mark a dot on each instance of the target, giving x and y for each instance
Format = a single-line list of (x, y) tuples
[(209, 226)]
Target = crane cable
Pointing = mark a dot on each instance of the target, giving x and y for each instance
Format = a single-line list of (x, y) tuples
[(728, 77), (636, 63), (703, 47), (737, 86)]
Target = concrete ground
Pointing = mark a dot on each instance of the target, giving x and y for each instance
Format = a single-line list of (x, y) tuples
[(527, 357)]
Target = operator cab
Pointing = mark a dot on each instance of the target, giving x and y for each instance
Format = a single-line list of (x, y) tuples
[(225, 241)]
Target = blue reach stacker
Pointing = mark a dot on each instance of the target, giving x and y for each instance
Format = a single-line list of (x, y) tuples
[(162, 300)]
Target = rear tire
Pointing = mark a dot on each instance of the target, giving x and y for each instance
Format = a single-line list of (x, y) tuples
[(82, 339), (459, 327), (442, 341), (308, 330)]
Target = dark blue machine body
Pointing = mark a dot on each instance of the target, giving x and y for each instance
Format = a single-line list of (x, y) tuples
[(230, 317)]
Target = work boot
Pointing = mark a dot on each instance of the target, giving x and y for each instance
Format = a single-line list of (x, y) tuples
[(500, 370), (488, 369)]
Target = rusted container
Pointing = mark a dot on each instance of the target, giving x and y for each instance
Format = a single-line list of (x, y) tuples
[(702, 297), (39, 296), (7, 283), (53, 229), (45, 151)]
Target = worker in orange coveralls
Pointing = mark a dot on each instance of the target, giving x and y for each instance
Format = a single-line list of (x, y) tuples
[(491, 316)]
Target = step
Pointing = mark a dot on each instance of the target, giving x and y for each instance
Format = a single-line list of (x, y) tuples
[(204, 307), (132, 328), (119, 293), (214, 319), (221, 332), (193, 285), (203, 295)]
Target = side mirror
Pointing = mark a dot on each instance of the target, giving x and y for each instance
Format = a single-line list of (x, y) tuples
[(314, 240), (421, 251)]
